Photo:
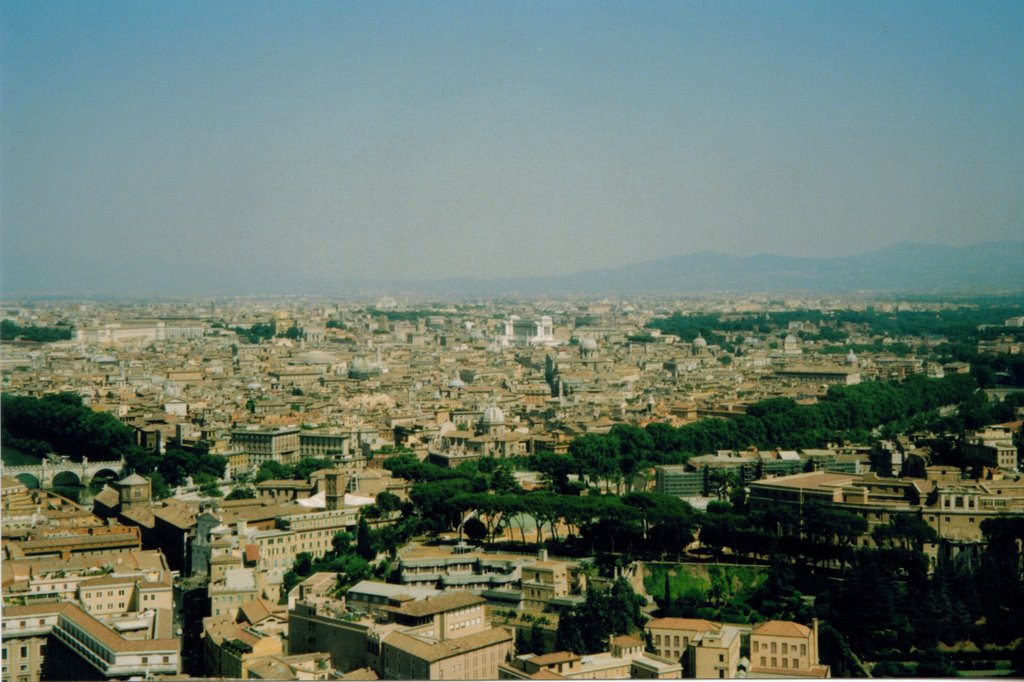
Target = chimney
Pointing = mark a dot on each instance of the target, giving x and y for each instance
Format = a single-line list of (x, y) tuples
[(542, 554), (814, 642)]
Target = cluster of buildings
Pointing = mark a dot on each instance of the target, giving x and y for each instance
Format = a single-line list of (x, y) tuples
[(134, 587), (454, 382)]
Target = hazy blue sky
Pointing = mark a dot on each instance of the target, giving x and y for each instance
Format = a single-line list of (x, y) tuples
[(477, 138)]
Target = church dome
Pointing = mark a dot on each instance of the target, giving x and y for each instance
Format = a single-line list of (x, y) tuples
[(456, 383), (699, 342), (588, 345), (493, 415)]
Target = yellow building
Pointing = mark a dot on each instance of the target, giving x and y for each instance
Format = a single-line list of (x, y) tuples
[(715, 654), (626, 659), (542, 581), (671, 637), (785, 648)]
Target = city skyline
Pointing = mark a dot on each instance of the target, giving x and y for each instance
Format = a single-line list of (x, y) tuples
[(491, 141)]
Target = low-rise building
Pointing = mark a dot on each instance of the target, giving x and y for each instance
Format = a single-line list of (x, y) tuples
[(82, 646)]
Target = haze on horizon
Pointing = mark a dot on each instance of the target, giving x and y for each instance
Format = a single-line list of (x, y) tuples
[(495, 139)]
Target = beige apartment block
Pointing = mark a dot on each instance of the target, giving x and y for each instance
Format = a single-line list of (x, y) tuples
[(672, 636), (626, 659), (543, 581), (139, 645), (474, 656), (785, 648)]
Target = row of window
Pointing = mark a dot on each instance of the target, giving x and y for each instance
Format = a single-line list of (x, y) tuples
[(785, 663), (785, 647)]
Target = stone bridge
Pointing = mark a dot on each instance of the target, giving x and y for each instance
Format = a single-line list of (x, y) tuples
[(46, 471)]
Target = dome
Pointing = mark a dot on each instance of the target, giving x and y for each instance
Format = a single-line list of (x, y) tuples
[(494, 415), (588, 344), (699, 342), (851, 358), (456, 383)]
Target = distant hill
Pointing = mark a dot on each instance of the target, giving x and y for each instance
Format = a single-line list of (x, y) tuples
[(907, 268), (995, 267)]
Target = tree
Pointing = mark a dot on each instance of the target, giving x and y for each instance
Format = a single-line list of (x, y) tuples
[(211, 489), (365, 545), (272, 470), (503, 482), (241, 493), (569, 635), (537, 644), (555, 469), (475, 529), (523, 642), (596, 456)]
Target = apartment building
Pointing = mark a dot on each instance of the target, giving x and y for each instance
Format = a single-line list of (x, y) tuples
[(671, 637), (625, 659), (73, 644), (994, 446), (544, 581), (708, 649), (786, 649), (954, 507), (262, 444), (47, 579), (412, 633)]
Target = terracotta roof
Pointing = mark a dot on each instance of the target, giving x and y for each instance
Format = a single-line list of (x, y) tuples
[(781, 628), (554, 657), (626, 641), (142, 517), (448, 647), (108, 497), (697, 624), (176, 515), (438, 604), (257, 610)]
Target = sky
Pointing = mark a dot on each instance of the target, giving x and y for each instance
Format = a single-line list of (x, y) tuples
[(439, 139)]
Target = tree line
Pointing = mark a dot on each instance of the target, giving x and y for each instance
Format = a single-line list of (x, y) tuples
[(10, 331), (845, 413), (59, 422)]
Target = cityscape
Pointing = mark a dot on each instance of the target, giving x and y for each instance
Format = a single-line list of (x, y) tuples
[(349, 341)]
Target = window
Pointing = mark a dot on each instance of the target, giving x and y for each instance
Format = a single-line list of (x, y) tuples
[(23, 652), (803, 649), (785, 648), (774, 648), (721, 673), (785, 662), (763, 664), (721, 658), (775, 662), (755, 647), (795, 664)]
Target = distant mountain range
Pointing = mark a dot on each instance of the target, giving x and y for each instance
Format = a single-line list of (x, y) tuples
[(995, 267), (902, 268)]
